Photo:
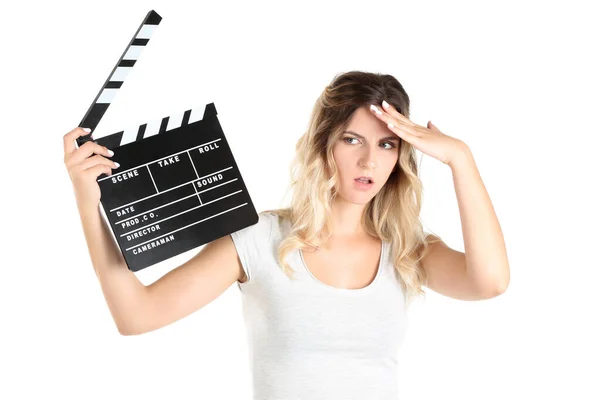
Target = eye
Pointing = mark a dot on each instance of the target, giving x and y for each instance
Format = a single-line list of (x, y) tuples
[(392, 145)]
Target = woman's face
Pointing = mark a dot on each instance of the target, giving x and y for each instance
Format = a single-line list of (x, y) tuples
[(366, 148)]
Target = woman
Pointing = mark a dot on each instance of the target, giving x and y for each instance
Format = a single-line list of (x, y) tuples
[(325, 282)]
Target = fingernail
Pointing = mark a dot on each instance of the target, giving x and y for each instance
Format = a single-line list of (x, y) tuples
[(385, 104), (88, 130), (111, 153), (390, 125), (375, 109), (117, 164)]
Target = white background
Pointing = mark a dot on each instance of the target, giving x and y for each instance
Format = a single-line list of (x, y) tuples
[(516, 80)]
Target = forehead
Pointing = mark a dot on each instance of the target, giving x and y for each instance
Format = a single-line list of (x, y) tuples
[(364, 123)]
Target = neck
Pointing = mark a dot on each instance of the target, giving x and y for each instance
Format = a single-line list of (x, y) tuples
[(346, 219)]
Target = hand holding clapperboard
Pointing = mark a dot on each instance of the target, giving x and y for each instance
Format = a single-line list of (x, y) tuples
[(177, 186)]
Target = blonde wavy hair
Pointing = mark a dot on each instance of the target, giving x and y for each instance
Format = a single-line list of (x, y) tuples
[(392, 215)]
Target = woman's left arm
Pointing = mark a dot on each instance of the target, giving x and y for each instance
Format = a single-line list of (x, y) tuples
[(482, 270), (485, 250)]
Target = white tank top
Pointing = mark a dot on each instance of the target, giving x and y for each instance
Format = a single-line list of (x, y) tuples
[(308, 340)]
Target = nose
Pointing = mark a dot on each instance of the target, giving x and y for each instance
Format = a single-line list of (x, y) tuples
[(368, 160), (371, 165)]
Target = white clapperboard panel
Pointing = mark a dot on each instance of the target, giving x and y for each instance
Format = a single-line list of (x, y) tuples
[(178, 185)]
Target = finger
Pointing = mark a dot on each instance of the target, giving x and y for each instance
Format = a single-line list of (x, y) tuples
[(390, 109), (403, 133), (98, 170), (86, 150), (430, 125), (388, 119), (385, 117), (95, 160), (69, 139)]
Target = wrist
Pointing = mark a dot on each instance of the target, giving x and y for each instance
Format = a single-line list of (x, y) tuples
[(461, 155), (87, 211)]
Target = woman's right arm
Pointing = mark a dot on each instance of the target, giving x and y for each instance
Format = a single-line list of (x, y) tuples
[(137, 308)]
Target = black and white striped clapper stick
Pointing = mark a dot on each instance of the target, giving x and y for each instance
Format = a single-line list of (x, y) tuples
[(178, 185), (120, 71)]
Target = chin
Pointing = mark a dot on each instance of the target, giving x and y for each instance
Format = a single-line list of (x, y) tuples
[(358, 198)]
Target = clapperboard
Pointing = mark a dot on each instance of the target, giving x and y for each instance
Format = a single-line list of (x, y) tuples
[(178, 185)]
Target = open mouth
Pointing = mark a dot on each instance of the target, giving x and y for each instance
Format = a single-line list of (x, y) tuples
[(363, 184)]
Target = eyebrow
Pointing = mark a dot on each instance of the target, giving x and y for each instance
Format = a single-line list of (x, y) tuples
[(385, 138)]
